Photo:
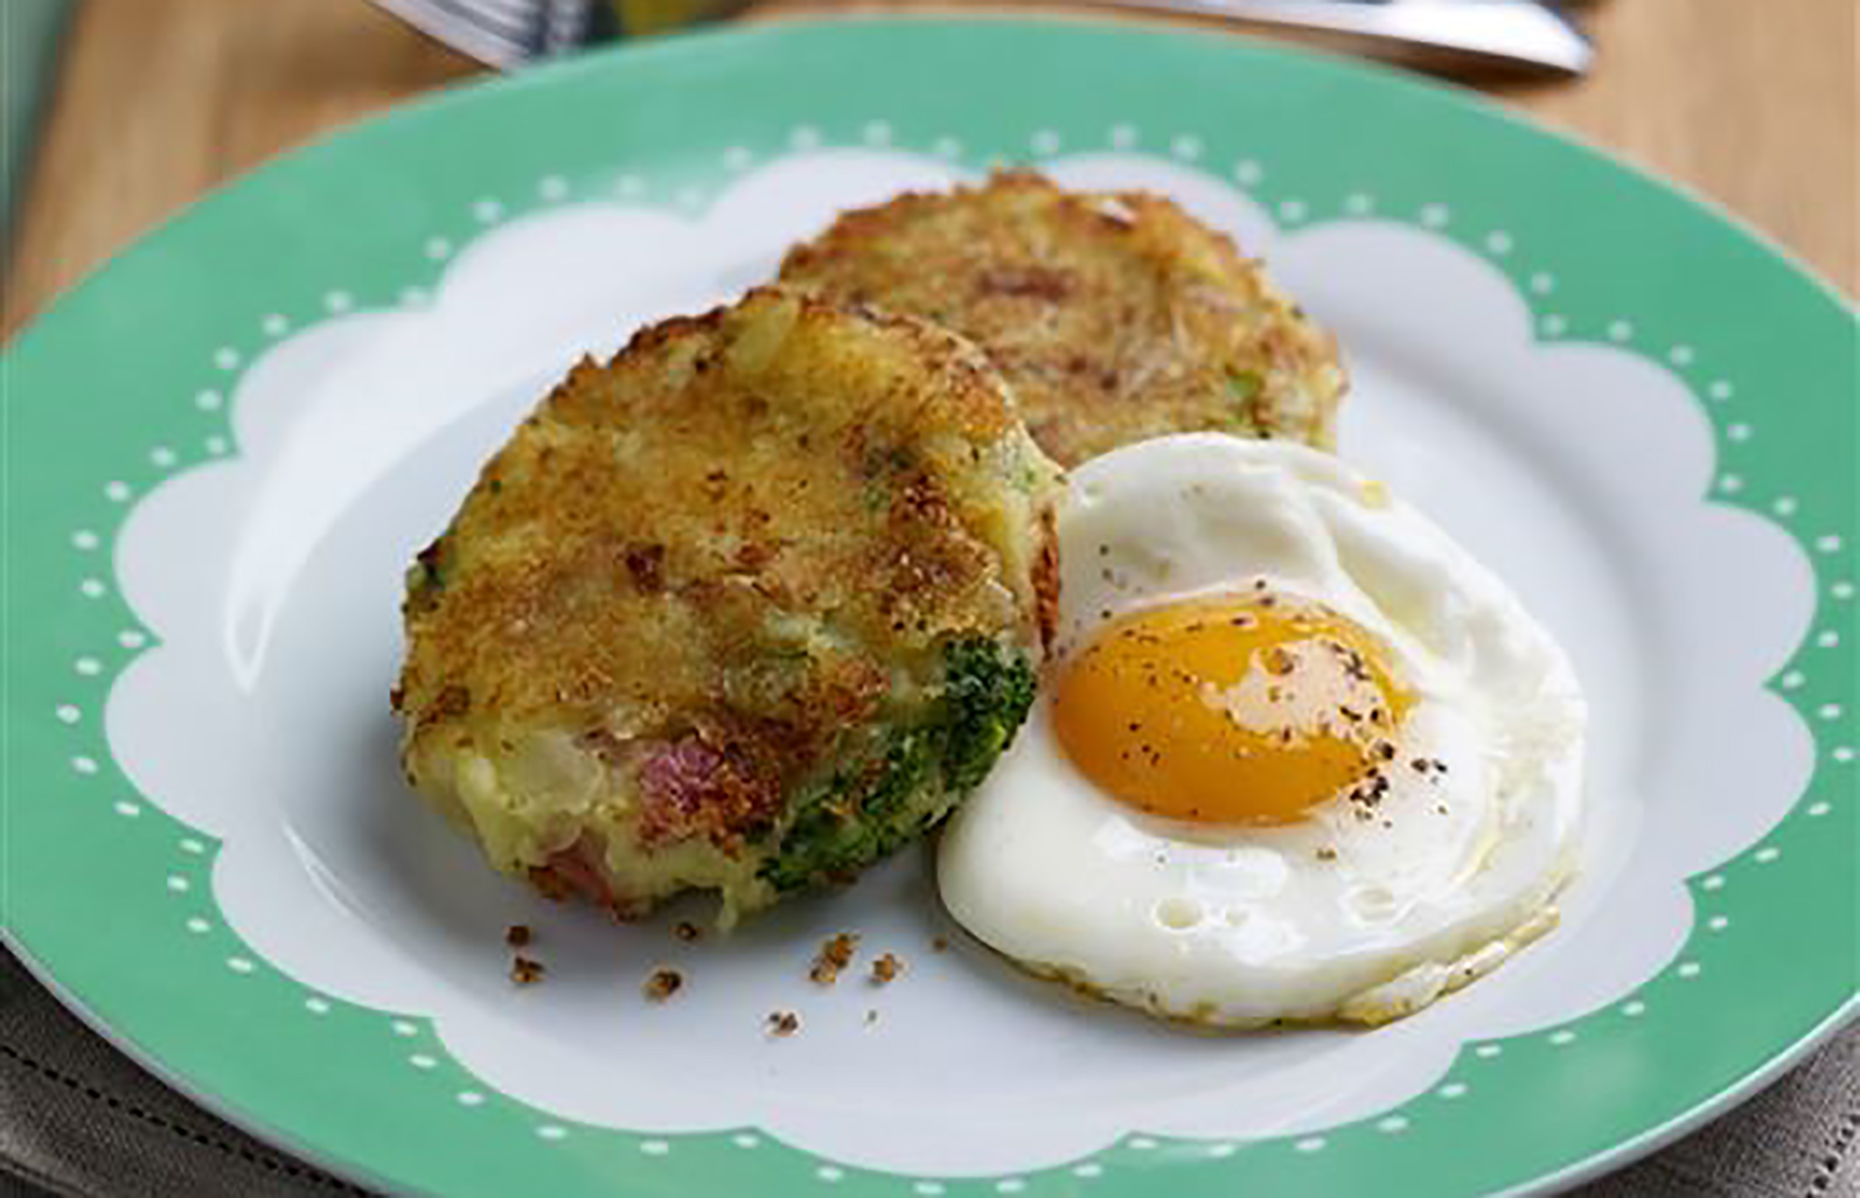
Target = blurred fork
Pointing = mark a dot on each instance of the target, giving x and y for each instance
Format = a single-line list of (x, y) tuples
[(1506, 33)]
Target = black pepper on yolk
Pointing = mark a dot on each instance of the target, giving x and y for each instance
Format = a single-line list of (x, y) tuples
[(1242, 709)]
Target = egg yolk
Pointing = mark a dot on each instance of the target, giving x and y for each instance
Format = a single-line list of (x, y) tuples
[(1249, 709)]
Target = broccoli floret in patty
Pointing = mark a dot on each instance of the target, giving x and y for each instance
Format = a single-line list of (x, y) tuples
[(916, 777), (987, 692)]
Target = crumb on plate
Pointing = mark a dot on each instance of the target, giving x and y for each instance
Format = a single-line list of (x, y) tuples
[(661, 984), (835, 954)]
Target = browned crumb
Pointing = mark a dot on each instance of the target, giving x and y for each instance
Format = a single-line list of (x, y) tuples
[(1327, 854), (687, 931), (524, 971), (835, 955), (662, 984), (886, 968), (940, 944), (517, 935), (783, 1023), (551, 885)]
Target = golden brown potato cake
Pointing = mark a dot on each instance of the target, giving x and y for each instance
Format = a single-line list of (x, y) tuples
[(743, 609), (1114, 315)]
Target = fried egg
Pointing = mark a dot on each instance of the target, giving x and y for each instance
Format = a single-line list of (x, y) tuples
[(1299, 756)]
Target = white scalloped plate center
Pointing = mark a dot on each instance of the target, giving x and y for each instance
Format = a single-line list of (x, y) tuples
[(1579, 472)]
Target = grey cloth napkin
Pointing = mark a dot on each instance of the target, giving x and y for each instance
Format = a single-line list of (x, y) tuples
[(77, 1118)]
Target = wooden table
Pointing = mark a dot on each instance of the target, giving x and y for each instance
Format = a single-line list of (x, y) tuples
[(1750, 104)]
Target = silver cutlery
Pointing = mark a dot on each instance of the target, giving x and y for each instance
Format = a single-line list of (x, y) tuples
[(1511, 34)]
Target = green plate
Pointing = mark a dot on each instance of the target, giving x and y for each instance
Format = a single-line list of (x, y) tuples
[(221, 450)]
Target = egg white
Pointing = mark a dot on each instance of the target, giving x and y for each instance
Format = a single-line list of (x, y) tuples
[(1337, 916)]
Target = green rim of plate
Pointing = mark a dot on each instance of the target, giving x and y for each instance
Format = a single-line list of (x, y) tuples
[(122, 386)]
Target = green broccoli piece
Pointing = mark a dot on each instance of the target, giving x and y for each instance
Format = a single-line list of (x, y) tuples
[(432, 563), (428, 576), (1244, 385), (986, 695), (1243, 388), (917, 774)]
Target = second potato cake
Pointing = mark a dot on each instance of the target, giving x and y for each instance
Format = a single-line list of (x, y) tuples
[(743, 609), (1114, 315)]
